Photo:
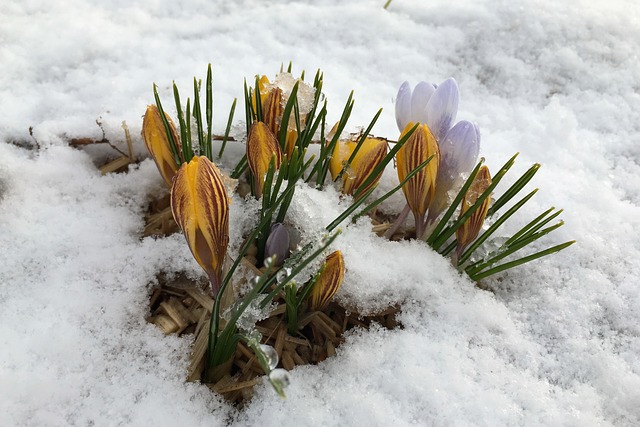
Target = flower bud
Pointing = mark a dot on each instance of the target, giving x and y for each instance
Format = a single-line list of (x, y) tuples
[(200, 206), (277, 244), (370, 154), (328, 282), (262, 146), (469, 230), (157, 142), (420, 188)]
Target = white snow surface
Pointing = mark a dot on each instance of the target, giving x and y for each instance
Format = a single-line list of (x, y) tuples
[(557, 344)]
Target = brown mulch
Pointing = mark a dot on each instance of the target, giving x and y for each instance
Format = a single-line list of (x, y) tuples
[(180, 306)]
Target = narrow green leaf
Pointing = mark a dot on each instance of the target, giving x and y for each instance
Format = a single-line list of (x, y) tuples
[(523, 260), (506, 251), (514, 189), (383, 164), (359, 145), (209, 112), (186, 144), (228, 128), (173, 144), (393, 190), (284, 123), (536, 227), (480, 240), (258, 101), (442, 238), (197, 114)]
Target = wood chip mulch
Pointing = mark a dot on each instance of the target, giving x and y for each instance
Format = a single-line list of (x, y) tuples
[(181, 307)]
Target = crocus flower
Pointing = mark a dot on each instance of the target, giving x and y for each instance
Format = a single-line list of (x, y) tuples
[(200, 206), (155, 138), (419, 190), (459, 145), (458, 154), (277, 243), (469, 230), (262, 146), (274, 97), (370, 154), (434, 106), (328, 282)]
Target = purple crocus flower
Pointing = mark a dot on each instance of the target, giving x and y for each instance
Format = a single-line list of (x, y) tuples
[(459, 144), (277, 243)]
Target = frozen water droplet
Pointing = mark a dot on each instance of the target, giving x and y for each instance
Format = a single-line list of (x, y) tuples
[(280, 377), (283, 274), (271, 354), (268, 262)]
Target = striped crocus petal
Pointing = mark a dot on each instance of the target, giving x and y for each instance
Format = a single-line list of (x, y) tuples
[(200, 206), (341, 153), (403, 106), (263, 87), (470, 229), (420, 188), (419, 98), (368, 157), (272, 109), (262, 146), (458, 155), (442, 108), (156, 140), (328, 282)]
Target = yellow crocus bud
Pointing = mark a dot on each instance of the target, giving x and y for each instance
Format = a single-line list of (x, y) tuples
[(469, 230), (272, 109), (419, 190), (262, 146), (157, 142), (328, 282), (370, 154), (200, 206)]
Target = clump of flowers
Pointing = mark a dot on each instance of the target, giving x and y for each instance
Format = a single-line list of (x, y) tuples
[(437, 170), (454, 150)]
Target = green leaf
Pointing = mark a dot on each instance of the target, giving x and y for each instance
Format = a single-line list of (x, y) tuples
[(228, 128), (440, 239), (480, 240), (173, 144), (508, 265), (358, 145)]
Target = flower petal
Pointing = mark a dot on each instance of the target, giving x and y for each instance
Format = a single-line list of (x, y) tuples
[(459, 149), (419, 99), (340, 155), (200, 206), (403, 106), (328, 282), (277, 243), (442, 108), (470, 229), (262, 146), (156, 140), (420, 188), (372, 152)]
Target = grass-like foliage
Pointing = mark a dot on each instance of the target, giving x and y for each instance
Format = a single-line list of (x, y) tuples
[(283, 119)]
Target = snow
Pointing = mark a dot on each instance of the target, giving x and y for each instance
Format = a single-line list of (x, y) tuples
[(558, 343)]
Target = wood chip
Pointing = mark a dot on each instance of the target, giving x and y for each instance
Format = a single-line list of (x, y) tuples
[(287, 361), (166, 323), (281, 335), (204, 300), (171, 311), (197, 355), (115, 165), (229, 387)]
